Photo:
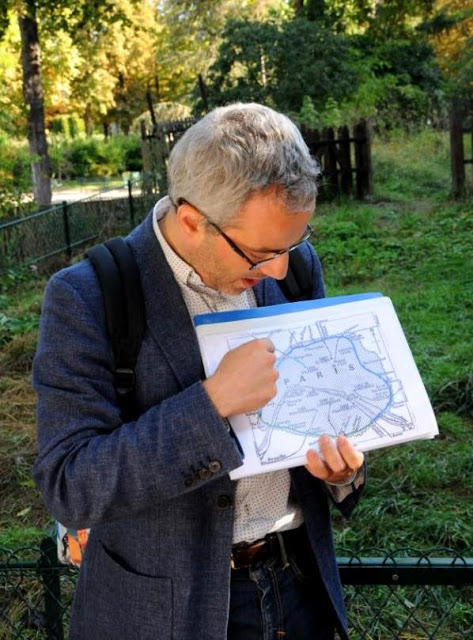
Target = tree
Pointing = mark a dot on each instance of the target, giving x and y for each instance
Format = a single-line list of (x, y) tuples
[(11, 101), (33, 94), (192, 33), (68, 15), (280, 64), (115, 67), (313, 72), (451, 31)]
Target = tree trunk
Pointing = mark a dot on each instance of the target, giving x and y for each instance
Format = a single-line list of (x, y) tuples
[(88, 122), (298, 6), (33, 95)]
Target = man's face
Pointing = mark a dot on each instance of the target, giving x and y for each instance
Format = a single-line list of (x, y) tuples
[(263, 227)]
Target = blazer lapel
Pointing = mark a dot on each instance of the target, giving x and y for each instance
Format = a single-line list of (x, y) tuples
[(167, 316), (268, 292)]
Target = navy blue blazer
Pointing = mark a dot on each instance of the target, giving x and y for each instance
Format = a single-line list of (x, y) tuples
[(157, 564)]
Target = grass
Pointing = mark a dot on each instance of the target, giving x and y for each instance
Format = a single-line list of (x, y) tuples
[(22, 515), (415, 245), (408, 240)]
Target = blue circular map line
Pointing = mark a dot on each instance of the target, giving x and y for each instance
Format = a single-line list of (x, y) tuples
[(338, 337)]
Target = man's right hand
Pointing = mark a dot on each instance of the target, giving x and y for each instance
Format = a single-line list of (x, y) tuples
[(245, 379)]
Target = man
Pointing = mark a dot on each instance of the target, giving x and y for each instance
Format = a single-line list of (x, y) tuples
[(176, 549)]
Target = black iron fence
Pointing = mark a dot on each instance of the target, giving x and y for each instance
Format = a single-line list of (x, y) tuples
[(407, 595), (393, 596), (67, 226)]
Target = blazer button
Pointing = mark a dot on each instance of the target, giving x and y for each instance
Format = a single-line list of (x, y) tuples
[(204, 473), (214, 466), (223, 502)]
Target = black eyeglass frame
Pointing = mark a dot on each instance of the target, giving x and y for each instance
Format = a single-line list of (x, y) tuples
[(240, 252)]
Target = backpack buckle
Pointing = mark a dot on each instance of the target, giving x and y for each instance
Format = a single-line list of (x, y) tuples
[(124, 380)]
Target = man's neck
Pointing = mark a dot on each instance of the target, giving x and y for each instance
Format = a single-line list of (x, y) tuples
[(169, 229)]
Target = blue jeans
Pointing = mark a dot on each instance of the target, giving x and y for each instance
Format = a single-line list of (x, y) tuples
[(280, 599)]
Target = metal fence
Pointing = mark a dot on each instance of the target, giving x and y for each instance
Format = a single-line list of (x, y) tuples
[(393, 596), (60, 230), (407, 595)]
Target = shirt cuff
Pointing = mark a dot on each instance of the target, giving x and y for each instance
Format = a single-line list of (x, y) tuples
[(339, 492)]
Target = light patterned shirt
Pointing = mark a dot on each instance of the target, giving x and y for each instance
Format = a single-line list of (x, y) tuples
[(263, 503)]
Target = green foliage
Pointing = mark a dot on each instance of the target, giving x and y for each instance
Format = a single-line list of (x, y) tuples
[(280, 64), (15, 175), (311, 61), (19, 537), (424, 171), (67, 126), (327, 78), (163, 111), (332, 115), (20, 312), (96, 157), (12, 326)]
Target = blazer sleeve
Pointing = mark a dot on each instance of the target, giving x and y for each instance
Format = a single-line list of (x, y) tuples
[(91, 467)]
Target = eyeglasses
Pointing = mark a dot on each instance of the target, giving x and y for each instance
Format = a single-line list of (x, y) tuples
[(253, 265)]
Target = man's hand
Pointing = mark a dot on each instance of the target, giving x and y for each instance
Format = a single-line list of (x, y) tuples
[(245, 379), (336, 462)]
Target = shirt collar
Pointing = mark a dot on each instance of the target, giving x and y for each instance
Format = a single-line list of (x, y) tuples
[(182, 271)]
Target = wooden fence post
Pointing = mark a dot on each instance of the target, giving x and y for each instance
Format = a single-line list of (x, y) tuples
[(363, 160), (331, 170), (457, 153), (203, 93), (346, 178), (160, 152), (147, 161), (66, 228)]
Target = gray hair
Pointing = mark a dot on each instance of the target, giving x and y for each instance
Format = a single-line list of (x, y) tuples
[(235, 151)]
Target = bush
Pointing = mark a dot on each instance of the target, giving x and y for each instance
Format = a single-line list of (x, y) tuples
[(15, 175), (96, 157), (69, 126)]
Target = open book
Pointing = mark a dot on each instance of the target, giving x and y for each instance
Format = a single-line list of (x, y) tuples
[(344, 368)]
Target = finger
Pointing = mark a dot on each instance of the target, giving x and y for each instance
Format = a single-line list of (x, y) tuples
[(268, 344), (353, 458), (332, 456), (316, 466)]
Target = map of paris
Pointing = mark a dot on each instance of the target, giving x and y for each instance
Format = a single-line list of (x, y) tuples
[(343, 368)]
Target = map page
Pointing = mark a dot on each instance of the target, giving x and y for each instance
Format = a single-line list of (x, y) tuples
[(344, 368)]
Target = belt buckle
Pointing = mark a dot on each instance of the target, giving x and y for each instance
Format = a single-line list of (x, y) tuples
[(246, 554)]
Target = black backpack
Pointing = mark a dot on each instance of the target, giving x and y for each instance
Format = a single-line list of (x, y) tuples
[(120, 283)]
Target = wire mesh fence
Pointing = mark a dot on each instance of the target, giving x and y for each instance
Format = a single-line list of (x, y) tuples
[(35, 593), (405, 595), (68, 226), (392, 596)]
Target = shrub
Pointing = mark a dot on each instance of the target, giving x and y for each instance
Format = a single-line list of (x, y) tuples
[(96, 157), (15, 175)]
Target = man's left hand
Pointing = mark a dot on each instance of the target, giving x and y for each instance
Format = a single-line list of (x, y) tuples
[(337, 462)]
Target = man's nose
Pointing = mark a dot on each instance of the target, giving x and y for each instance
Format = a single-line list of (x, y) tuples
[(277, 268)]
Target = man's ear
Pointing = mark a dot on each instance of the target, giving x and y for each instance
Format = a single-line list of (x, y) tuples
[(191, 222)]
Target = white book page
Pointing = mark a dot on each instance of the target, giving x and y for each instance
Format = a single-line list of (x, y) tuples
[(343, 369)]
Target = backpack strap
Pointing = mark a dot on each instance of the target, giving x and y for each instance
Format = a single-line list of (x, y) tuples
[(122, 294), (297, 285)]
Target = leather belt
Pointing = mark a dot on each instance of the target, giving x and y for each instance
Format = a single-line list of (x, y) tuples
[(245, 555)]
